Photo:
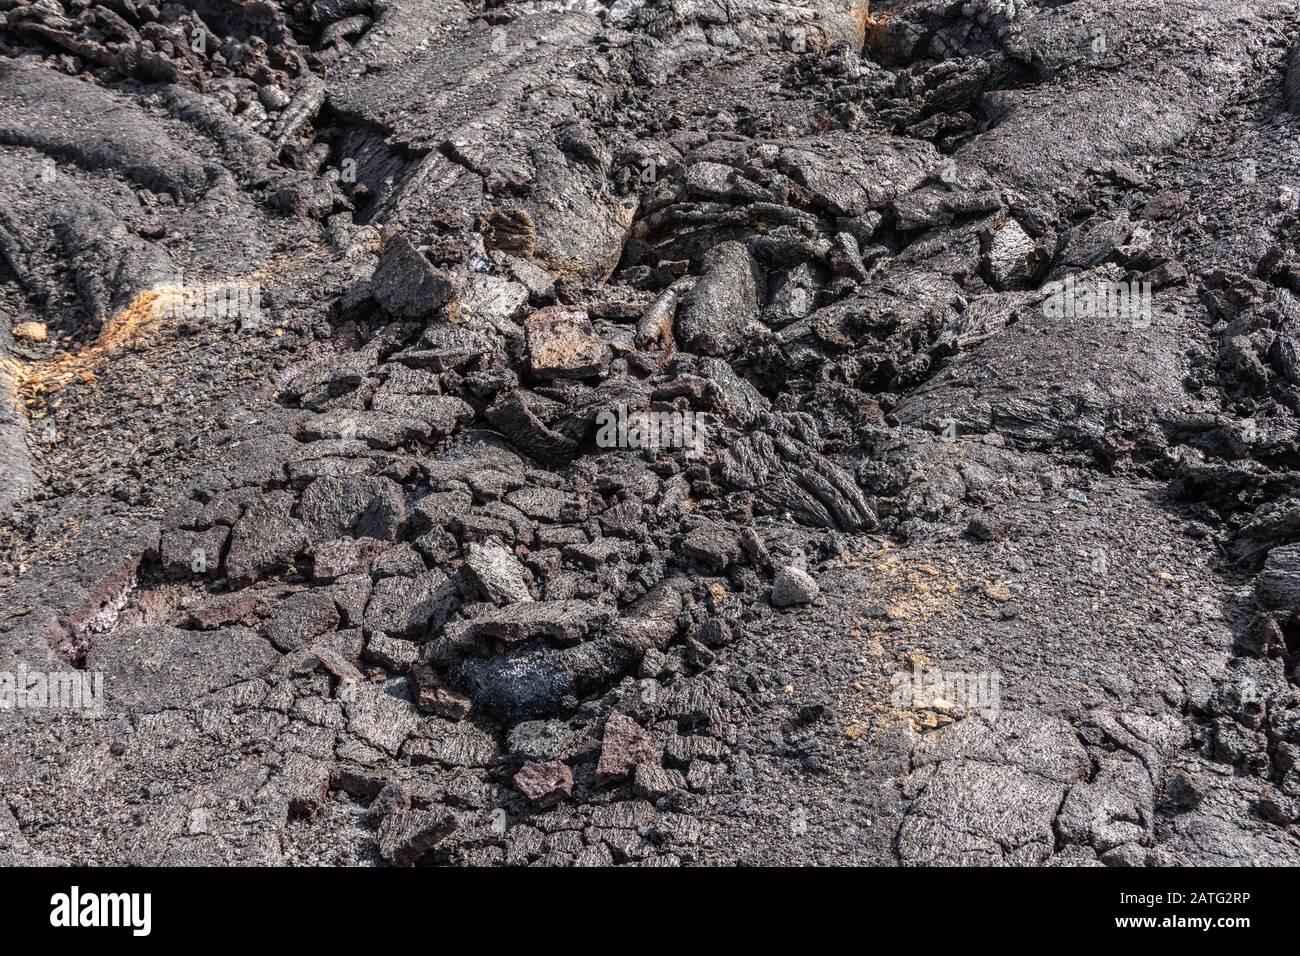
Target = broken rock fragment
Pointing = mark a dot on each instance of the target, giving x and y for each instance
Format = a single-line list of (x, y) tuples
[(376, 429), (300, 619), (1012, 257), (262, 543), (714, 545), (193, 552), (408, 607), (394, 654), (1278, 585), (434, 697), (562, 344), (848, 175), (407, 835), (392, 798), (342, 556), (540, 740), (355, 507), (406, 284), (525, 417), (653, 782), (623, 747), (442, 413), (496, 572), (559, 620), (545, 784)]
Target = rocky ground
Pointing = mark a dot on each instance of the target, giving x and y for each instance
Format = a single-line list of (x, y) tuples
[(317, 317)]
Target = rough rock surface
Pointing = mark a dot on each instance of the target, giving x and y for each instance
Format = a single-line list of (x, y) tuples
[(650, 433)]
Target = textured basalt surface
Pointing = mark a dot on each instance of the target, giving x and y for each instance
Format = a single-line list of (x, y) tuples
[(364, 581)]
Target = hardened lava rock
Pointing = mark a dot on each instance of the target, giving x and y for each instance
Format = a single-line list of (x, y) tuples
[(650, 433)]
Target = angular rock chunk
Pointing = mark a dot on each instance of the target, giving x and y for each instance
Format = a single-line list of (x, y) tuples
[(193, 552), (545, 504), (654, 782), (234, 608), (562, 344), (407, 835), (519, 416), (393, 654), (306, 104), (391, 799), (1011, 257), (488, 299), (406, 284), (410, 607), (850, 175), (559, 620), (262, 543), (376, 428), (334, 662), (597, 553), (327, 378), (496, 572), (580, 225), (434, 697), (351, 592), (442, 413), (301, 618), (545, 784), (624, 745), (541, 740), (714, 545), (453, 744), (1278, 585), (403, 561), (342, 556), (382, 715), (353, 507), (517, 684), (441, 508), (450, 345)]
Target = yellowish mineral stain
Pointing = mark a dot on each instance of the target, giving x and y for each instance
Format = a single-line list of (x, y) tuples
[(120, 329), (145, 310)]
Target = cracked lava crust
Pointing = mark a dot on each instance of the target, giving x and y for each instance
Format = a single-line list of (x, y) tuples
[(315, 315)]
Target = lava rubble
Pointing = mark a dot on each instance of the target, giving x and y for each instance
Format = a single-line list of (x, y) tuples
[(983, 317)]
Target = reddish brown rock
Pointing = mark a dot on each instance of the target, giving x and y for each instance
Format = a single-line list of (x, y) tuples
[(434, 697), (623, 746), (545, 784), (561, 343), (223, 609)]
